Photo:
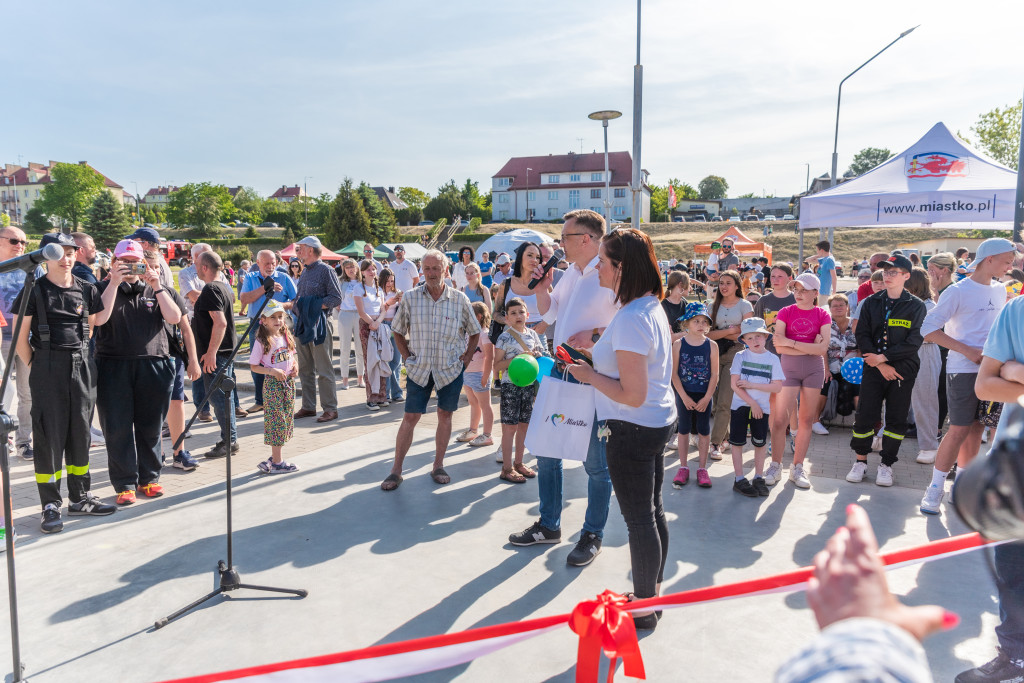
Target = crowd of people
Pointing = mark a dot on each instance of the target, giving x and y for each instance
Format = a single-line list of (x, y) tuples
[(671, 355)]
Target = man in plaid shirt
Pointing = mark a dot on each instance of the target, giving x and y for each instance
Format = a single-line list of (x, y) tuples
[(431, 327)]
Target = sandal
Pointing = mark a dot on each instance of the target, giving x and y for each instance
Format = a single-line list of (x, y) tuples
[(510, 474), (524, 470), (440, 476), (392, 482)]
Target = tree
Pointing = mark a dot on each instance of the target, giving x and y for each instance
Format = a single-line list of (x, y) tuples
[(413, 197), (660, 209), (713, 187), (200, 207), (998, 134), (287, 237), (410, 216), (474, 200), (249, 206), (867, 159), (70, 193), (320, 209), (5, 220), (382, 218), (36, 222), (105, 220), (347, 219), (448, 203)]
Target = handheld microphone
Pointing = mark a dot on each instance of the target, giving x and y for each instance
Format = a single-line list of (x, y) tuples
[(552, 262), (26, 262)]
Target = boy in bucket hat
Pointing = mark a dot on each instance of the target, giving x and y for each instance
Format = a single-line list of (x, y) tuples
[(756, 374), (695, 359)]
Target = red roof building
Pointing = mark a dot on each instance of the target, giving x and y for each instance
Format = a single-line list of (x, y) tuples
[(547, 187), (288, 194), (22, 186)]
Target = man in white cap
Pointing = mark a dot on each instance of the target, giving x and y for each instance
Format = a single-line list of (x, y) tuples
[(503, 268), (318, 292), (960, 322)]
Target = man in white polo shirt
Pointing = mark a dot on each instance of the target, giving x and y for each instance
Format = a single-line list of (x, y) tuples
[(583, 310), (961, 322), (407, 275)]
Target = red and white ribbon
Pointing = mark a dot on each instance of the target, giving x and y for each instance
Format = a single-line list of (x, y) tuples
[(600, 624)]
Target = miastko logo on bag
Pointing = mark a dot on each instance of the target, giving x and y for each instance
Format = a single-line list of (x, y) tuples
[(558, 419), (936, 165)]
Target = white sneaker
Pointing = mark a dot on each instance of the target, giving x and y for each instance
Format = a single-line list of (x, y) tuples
[(932, 500), (856, 474), (883, 477), (798, 477), (819, 429), (774, 474), (715, 454), (497, 456), (926, 457), (791, 442), (876, 444)]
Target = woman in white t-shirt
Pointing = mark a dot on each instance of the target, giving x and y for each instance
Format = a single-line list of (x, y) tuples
[(372, 308), (459, 269), (635, 405), (348, 321)]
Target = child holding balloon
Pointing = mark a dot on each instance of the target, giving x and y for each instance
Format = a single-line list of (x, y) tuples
[(518, 387)]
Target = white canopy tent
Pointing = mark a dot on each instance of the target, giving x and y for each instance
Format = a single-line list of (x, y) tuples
[(939, 182), (510, 240), (413, 251)]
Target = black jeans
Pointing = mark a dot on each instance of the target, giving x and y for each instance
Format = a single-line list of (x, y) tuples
[(874, 391), (636, 464), (1009, 561), (132, 396)]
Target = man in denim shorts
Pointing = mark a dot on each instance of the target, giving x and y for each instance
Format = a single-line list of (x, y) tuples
[(431, 326)]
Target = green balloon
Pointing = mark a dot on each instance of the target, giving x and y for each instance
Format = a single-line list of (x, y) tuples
[(523, 370)]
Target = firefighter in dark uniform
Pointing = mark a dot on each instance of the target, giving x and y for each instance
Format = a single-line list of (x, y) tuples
[(54, 343), (888, 336)]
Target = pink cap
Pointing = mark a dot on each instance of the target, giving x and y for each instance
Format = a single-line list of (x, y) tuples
[(128, 248)]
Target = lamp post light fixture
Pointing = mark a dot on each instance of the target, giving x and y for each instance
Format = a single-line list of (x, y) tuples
[(835, 144), (528, 169), (604, 116), (305, 201)]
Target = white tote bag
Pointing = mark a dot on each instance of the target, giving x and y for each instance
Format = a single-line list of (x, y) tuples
[(563, 417)]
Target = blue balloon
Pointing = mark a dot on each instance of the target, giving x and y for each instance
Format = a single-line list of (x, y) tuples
[(852, 370), (546, 364)]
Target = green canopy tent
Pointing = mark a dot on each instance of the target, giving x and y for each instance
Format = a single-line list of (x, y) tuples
[(355, 250)]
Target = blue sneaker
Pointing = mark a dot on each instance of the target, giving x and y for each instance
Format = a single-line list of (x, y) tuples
[(184, 461), (26, 452), (282, 467)]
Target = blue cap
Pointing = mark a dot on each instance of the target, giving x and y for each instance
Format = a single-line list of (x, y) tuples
[(693, 309), (147, 234)]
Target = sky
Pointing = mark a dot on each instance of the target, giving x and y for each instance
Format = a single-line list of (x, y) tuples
[(410, 93)]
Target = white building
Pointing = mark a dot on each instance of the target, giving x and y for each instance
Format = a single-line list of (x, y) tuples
[(22, 186), (547, 187)]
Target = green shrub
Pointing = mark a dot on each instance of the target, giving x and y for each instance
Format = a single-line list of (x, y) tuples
[(235, 254)]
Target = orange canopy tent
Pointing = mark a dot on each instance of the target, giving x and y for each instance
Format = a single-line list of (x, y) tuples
[(327, 255), (743, 246)]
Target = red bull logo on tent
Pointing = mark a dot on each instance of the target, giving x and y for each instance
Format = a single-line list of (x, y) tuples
[(936, 165)]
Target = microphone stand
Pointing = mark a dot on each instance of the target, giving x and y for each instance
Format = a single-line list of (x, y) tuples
[(9, 425), (228, 577)]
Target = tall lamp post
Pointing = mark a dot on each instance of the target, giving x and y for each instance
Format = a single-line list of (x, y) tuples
[(305, 191), (528, 169), (638, 87), (835, 144), (138, 210), (604, 117)]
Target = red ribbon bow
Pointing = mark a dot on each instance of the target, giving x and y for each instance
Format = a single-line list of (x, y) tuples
[(602, 624)]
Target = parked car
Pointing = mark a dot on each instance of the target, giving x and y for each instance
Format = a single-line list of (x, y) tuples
[(789, 217), (750, 217), (268, 224), (678, 219), (770, 217), (149, 225), (242, 224), (717, 219), (426, 223), (698, 219)]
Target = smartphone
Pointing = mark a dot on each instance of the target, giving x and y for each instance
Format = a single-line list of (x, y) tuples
[(574, 354), (136, 268)]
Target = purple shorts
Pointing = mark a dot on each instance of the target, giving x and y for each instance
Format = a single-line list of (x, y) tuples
[(803, 371)]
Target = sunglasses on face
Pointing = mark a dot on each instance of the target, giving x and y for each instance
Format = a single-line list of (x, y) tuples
[(14, 241)]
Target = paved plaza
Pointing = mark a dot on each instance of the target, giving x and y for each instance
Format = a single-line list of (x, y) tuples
[(427, 559)]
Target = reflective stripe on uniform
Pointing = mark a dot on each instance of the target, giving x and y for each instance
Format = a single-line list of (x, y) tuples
[(78, 470), (863, 436), (886, 432), (49, 478)]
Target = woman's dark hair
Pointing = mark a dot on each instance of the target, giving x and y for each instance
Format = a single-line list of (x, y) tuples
[(517, 267), (632, 250), (1017, 274), (382, 279), (472, 253), (718, 292), (920, 283)]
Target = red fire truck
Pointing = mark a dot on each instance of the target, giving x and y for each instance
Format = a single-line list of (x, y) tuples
[(176, 252)]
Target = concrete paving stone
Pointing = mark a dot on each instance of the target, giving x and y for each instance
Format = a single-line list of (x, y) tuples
[(423, 560)]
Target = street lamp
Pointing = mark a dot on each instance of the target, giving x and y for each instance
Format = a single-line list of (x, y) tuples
[(528, 169), (138, 211), (638, 87), (835, 145), (305, 200), (604, 116)]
